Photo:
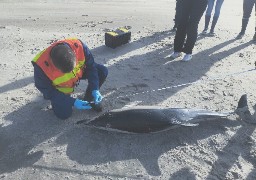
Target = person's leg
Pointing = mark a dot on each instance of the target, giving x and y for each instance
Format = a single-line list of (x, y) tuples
[(247, 10), (216, 14), (197, 9), (176, 17), (61, 110), (182, 26), (208, 14), (102, 74)]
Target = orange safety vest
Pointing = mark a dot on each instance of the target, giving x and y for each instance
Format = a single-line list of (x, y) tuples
[(64, 82)]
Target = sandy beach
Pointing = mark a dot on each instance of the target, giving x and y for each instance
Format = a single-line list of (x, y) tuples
[(34, 144)]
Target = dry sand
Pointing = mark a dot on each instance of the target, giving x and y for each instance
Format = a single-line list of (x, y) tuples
[(34, 144)]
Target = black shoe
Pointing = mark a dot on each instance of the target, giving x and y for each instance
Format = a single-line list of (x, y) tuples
[(97, 107)]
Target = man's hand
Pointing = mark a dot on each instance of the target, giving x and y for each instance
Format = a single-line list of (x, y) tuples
[(97, 96), (79, 104)]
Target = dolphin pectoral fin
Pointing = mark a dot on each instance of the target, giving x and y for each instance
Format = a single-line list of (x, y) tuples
[(189, 124)]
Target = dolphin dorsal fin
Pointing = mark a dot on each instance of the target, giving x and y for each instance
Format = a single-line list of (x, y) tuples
[(242, 101)]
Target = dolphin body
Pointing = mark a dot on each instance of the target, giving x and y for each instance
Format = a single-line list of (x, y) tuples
[(151, 119)]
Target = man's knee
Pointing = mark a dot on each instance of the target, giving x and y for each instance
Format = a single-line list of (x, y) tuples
[(104, 71), (62, 112), (63, 115)]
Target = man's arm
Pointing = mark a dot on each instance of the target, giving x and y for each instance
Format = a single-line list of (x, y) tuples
[(44, 85), (91, 70)]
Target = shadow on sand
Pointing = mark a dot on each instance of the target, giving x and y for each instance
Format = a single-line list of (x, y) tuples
[(32, 126)]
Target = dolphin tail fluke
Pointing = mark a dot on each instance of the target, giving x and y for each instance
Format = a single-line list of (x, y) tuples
[(243, 111)]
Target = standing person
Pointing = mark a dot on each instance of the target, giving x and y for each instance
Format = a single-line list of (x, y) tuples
[(191, 13), (59, 68), (177, 16), (208, 13), (247, 10)]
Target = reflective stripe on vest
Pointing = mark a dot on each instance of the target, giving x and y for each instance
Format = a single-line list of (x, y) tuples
[(64, 82)]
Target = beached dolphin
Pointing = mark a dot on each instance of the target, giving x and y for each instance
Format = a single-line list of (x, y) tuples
[(150, 119)]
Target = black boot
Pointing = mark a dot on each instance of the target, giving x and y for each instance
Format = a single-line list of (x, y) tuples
[(244, 25), (214, 22), (207, 21)]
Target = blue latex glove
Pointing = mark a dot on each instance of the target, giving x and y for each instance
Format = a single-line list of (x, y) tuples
[(97, 96), (79, 104)]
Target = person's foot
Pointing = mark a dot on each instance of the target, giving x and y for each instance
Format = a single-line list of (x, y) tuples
[(175, 55), (240, 35), (211, 34), (204, 32), (187, 57)]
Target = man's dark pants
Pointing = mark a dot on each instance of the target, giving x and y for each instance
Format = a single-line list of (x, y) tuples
[(191, 13)]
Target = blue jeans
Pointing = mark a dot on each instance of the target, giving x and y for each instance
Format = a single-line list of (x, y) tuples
[(217, 7)]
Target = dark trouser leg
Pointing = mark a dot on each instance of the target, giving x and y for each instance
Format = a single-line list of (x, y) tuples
[(180, 35), (247, 10), (244, 25), (61, 110), (102, 74), (214, 22), (216, 14), (197, 9), (207, 21), (178, 13), (208, 13)]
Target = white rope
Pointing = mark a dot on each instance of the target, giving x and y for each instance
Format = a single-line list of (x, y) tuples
[(186, 84)]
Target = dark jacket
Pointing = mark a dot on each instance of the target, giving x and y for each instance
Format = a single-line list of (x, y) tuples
[(44, 84)]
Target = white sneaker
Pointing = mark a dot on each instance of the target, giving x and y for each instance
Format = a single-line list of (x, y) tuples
[(175, 55), (187, 57)]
